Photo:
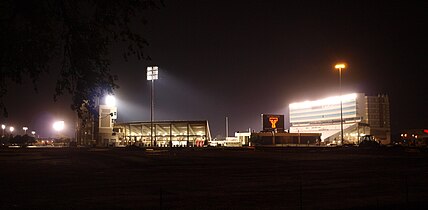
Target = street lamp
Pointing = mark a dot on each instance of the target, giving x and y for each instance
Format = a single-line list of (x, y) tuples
[(25, 129), (152, 74), (3, 126), (33, 133), (11, 129), (340, 66)]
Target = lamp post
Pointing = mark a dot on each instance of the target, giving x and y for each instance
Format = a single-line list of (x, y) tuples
[(3, 126), (340, 66), (25, 128), (152, 74), (11, 129)]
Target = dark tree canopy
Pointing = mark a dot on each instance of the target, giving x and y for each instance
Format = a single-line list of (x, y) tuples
[(69, 36)]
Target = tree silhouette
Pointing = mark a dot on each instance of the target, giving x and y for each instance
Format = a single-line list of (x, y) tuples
[(22, 140), (69, 36)]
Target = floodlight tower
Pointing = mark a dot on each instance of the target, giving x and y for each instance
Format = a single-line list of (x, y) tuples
[(152, 74), (340, 66)]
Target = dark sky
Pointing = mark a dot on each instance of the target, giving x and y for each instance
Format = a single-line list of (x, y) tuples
[(243, 58)]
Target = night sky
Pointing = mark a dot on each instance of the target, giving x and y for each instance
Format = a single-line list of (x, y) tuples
[(243, 58)]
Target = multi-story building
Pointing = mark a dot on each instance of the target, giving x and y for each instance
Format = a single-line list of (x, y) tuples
[(362, 115)]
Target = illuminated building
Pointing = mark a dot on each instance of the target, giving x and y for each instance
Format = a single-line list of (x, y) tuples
[(284, 139), (107, 119), (362, 115), (273, 134), (165, 133), (93, 130)]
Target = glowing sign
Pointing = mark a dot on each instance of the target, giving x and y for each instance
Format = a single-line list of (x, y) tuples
[(273, 122)]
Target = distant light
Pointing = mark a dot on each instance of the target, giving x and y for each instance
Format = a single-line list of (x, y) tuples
[(3, 126), (326, 101), (58, 126), (11, 129), (340, 66), (152, 72), (25, 128), (110, 100), (33, 132)]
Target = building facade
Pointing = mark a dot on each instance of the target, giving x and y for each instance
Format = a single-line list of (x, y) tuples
[(165, 134), (362, 115), (283, 139)]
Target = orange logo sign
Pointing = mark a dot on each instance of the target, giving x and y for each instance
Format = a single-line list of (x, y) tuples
[(273, 121)]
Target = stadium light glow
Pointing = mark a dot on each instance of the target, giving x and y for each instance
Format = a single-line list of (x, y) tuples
[(152, 72), (58, 125), (110, 100), (334, 100)]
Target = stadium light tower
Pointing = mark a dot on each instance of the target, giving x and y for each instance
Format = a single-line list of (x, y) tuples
[(340, 66), (152, 74)]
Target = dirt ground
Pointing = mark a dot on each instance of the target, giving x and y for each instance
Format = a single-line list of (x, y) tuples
[(289, 178)]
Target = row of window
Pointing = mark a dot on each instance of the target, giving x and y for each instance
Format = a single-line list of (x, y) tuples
[(323, 112), (323, 117)]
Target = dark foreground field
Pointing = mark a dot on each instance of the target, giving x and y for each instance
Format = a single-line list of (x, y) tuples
[(294, 178)]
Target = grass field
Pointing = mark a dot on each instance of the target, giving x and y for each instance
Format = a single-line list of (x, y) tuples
[(289, 178)]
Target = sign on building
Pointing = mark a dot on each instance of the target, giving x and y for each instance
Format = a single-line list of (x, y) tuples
[(273, 122)]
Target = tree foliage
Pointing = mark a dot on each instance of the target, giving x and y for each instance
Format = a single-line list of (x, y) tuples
[(69, 36), (22, 140)]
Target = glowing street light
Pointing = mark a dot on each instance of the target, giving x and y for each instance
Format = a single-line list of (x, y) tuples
[(25, 129), (33, 133), (340, 66), (11, 129), (152, 74), (3, 126)]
